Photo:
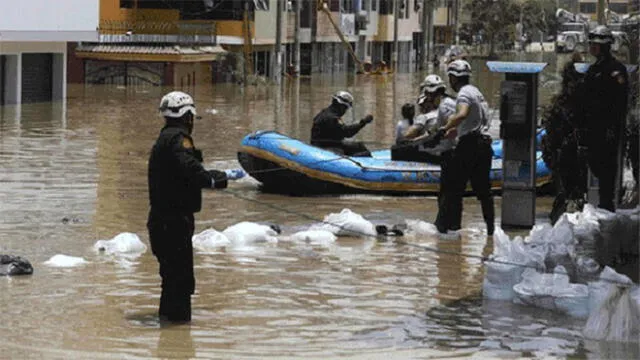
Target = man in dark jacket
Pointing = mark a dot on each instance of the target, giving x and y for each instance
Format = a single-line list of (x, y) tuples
[(604, 114), (176, 178), (329, 131)]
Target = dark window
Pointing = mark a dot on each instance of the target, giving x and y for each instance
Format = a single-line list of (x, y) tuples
[(386, 7), (374, 5), (347, 6), (334, 5), (588, 8), (620, 8)]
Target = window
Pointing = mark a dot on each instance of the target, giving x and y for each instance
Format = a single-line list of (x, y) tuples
[(403, 12), (374, 5), (620, 8), (386, 7), (334, 5), (588, 8), (347, 6)]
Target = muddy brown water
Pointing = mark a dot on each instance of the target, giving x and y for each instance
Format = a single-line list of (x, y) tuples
[(75, 173)]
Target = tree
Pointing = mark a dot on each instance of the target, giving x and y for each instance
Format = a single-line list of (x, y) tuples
[(539, 15), (494, 18)]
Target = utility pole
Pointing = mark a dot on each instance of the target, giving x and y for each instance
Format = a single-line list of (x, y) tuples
[(600, 12), (424, 46), (276, 66), (296, 36), (394, 54), (457, 15)]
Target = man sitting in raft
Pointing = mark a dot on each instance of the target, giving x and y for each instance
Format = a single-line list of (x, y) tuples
[(329, 131)]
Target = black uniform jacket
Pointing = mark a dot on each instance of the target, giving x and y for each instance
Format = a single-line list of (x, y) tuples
[(328, 129), (176, 175), (605, 90)]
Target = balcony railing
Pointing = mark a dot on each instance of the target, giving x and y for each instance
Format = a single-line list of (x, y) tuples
[(175, 32)]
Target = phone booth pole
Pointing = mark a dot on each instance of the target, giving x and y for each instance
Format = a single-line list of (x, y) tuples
[(518, 121)]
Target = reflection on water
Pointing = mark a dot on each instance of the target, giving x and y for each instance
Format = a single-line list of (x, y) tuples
[(75, 173)]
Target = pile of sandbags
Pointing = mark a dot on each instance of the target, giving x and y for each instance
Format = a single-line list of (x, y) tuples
[(551, 269)]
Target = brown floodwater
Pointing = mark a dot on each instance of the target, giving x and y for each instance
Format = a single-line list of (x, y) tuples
[(75, 173)]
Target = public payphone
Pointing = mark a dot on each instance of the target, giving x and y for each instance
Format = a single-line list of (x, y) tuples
[(518, 120)]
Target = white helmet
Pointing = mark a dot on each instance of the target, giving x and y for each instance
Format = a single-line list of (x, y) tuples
[(601, 35), (176, 103), (343, 97), (459, 68), (432, 83)]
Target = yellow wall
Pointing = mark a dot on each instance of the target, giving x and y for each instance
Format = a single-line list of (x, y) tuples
[(110, 11)]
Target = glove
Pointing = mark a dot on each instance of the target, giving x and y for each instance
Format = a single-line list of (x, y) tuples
[(367, 119), (235, 174), (218, 179)]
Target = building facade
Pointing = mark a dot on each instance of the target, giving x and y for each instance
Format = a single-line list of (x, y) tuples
[(163, 42), (33, 46)]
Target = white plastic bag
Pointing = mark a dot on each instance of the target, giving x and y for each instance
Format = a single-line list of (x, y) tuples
[(210, 239), (420, 227), (346, 223), (553, 292), (124, 243), (65, 261), (248, 232), (511, 259), (316, 237)]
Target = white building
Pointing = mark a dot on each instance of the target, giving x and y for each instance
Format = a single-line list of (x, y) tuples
[(33, 46)]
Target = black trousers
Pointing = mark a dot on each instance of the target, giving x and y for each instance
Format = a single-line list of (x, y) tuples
[(603, 162), (170, 237), (470, 161)]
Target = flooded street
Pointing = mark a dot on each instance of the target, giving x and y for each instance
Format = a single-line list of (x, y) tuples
[(72, 174)]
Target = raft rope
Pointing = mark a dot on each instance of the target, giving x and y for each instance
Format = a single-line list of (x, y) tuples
[(483, 259)]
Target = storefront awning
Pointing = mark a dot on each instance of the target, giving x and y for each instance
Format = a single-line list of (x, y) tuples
[(175, 53)]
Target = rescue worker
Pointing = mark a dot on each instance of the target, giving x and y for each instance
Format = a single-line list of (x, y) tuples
[(176, 178), (329, 131), (604, 111), (435, 90), (408, 113), (560, 147), (472, 156)]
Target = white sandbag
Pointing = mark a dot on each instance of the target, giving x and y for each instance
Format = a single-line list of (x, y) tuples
[(124, 243), (552, 292), (585, 225), (539, 234), (573, 300), (535, 290), (617, 318), (210, 239), (598, 290), (346, 223), (317, 237), (65, 261), (510, 260), (420, 227), (249, 232)]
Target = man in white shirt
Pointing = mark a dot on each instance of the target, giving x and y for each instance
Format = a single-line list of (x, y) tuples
[(473, 154)]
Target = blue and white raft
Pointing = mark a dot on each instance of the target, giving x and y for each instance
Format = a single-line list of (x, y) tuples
[(289, 166)]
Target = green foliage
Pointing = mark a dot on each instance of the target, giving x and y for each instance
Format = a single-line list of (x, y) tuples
[(493, 18), (496, 19)]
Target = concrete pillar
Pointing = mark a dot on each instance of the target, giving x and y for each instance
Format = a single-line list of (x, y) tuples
[(58, 77), (13, 79)]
